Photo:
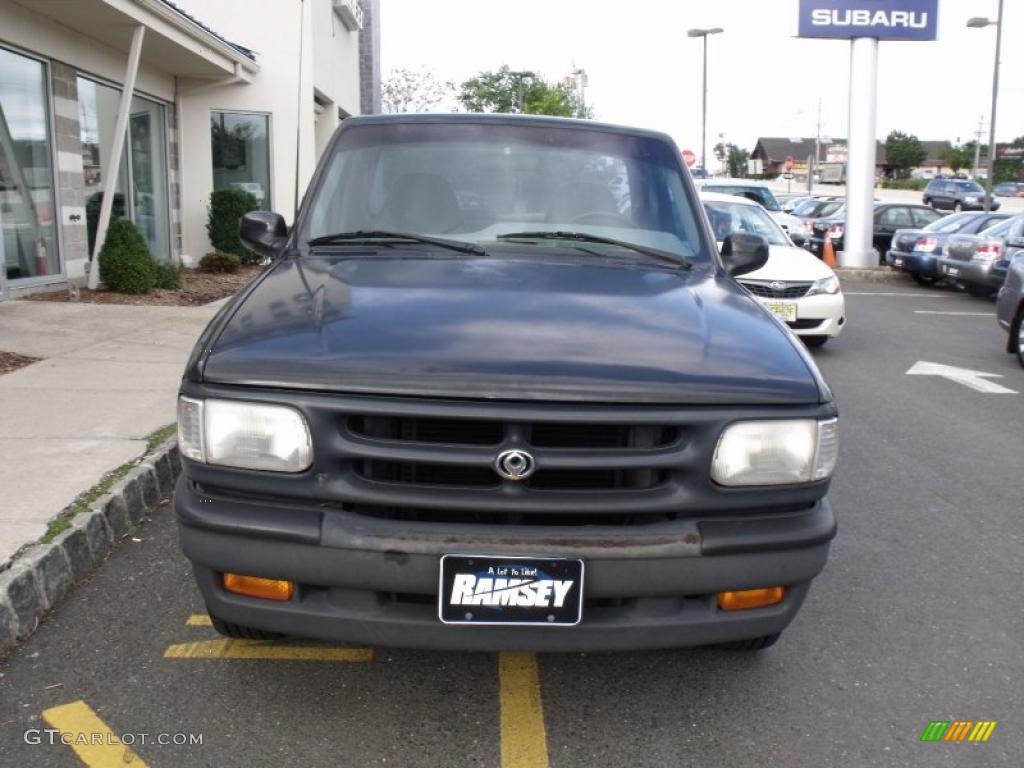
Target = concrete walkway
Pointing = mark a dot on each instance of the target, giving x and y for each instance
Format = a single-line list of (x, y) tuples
[(108, 378)]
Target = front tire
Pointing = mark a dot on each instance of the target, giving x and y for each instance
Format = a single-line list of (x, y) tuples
[(753, 644), (814, 341), (239, 632), (958, 206), (1018, 329)]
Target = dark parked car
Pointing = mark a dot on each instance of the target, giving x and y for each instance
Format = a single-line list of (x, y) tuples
[(1009, 189), (917, 251), (554, 421), (957, 195), (979, 262), (810, 210), (888, 218), (699, 172), (1010, 306)]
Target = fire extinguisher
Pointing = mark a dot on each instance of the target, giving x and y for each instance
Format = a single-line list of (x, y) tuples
[(42, 263)]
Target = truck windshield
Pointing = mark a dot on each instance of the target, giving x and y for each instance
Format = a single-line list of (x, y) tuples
[(474, 182)]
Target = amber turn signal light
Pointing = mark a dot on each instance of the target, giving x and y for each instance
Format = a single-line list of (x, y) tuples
[(750, 598), (255, 586)]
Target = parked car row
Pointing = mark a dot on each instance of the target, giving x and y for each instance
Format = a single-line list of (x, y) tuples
[(982, 253), (973, 250), (888, 218)]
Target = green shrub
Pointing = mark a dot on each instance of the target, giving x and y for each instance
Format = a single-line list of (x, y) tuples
[(220, 262), (227, 206), (168, 276), (125, 263), (915, 184), (92, 214)]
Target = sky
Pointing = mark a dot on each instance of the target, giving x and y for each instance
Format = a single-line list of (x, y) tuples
[(762, 81)]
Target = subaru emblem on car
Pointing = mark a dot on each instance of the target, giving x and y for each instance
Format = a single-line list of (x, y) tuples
[(514, 465), (777, 285)]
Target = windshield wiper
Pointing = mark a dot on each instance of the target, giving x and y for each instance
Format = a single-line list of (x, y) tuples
[(582, 237), (372, 235)]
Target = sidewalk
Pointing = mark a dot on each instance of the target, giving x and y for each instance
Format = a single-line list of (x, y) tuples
[(108, 379)]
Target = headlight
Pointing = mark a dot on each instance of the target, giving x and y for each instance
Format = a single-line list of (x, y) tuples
[(780, 452), (970, 199), (828, 284), (246, 435)]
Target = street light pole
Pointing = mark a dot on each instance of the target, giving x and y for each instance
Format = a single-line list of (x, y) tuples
[(519, 76), (980, 22), (703, 33)]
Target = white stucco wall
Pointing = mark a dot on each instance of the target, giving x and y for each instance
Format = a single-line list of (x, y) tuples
[(329, 57), (330, 63), (40, 35)]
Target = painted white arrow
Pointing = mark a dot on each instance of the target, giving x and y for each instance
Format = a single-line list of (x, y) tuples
[(977, 380)]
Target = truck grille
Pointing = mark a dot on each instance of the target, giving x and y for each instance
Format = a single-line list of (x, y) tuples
[(433, 461), (766, 291), (427, 452)]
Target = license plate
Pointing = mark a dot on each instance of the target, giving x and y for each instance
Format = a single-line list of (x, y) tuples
[(784, 310), (510, 590), (897, 262), (951, 271)]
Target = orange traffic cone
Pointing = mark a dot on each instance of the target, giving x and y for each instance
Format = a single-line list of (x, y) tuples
[(828, 254)]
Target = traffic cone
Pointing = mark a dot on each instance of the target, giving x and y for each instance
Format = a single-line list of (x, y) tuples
[(828, 254)]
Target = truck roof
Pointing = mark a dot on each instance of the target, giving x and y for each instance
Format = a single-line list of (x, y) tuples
[(456, 118)]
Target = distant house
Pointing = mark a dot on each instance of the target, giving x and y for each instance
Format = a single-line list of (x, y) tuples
[(770, 154)]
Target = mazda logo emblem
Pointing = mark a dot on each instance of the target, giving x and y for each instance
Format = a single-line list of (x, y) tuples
[(514, 465), (776, 285)]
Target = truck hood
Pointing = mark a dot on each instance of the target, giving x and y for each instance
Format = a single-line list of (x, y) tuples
[(516, 327)]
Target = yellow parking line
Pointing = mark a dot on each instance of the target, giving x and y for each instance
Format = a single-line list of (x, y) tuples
[(198, 620), (524, 743), (95, 744), (260, 649)]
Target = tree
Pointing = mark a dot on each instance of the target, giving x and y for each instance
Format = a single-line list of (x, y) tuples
[(502, 90), (407, 91), (958, 157), (903, 151), (734, 158)]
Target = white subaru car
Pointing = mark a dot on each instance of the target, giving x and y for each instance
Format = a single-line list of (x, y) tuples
[(794, 284)]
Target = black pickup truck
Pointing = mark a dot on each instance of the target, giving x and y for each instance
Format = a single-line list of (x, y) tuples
[(497, 389)]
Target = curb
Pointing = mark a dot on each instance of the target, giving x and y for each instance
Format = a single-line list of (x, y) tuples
[(40, 576), (869, 275)]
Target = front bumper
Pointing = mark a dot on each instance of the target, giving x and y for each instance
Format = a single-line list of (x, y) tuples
[(821, 315), (373, 581)]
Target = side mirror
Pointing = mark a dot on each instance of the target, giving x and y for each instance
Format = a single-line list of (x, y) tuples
[(743, 253), (263, 232)]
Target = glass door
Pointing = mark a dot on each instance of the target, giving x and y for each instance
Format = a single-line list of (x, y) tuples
[(28, 228), (141, 188)]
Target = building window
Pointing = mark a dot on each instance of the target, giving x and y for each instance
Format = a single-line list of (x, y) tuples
[(143, 171), (241, 154), (28, 227)]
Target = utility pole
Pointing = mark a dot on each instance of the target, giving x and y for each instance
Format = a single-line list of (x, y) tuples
[(977, 146), (813, 168)]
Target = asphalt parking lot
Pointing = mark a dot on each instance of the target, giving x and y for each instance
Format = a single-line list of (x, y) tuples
[(916, 618)]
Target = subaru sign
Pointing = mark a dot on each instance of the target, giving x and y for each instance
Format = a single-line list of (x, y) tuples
[(880, 19)]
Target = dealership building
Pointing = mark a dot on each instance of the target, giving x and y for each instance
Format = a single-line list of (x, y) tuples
[(232, 94)]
